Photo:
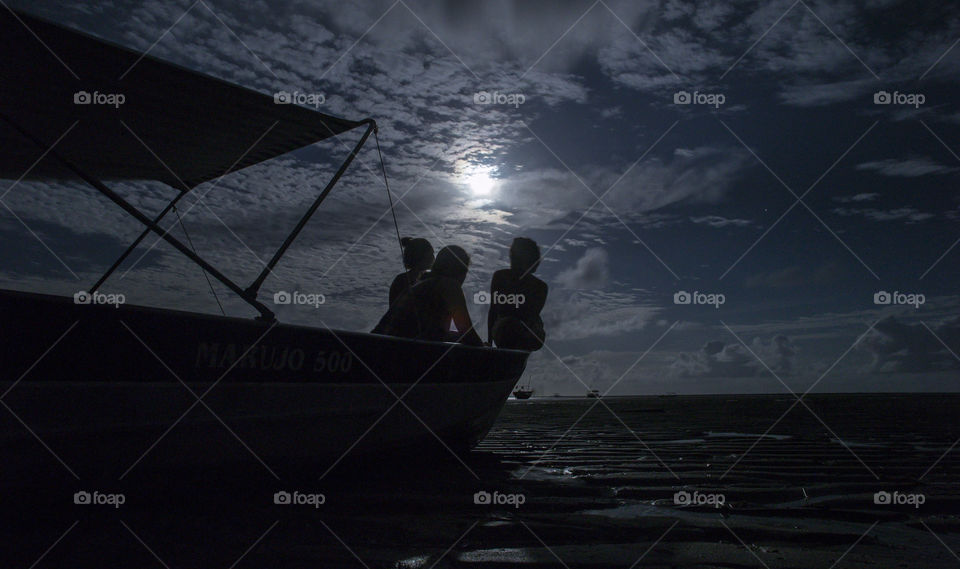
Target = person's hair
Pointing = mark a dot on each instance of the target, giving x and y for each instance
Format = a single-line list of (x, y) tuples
[(524, 255), (452, 261), (417, 253)]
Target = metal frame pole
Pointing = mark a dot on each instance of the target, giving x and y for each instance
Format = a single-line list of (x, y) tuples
[(254, 288), (133, 245), (265, 313)]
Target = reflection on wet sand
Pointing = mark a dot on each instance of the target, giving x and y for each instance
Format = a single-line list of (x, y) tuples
[(680, 482)]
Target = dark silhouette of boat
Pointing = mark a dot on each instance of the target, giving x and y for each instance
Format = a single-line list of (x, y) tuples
[(82, 370), (523, 392), (594, 393)]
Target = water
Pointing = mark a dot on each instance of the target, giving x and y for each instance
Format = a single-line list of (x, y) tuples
[(581, 483)]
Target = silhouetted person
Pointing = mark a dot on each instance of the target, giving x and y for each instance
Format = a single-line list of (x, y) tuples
[(417, 258), (516, 299), (426, 310)]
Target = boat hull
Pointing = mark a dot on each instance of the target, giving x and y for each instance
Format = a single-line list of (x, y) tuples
[(98, 380)]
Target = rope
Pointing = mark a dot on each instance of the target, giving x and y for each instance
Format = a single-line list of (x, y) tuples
[(207, 277), (396, 225), (383, 169)]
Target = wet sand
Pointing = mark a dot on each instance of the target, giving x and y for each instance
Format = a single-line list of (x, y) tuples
[(580, 483)]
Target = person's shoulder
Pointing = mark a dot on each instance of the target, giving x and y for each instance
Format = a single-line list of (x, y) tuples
[(404, 278), (396, 283), (502, 274), (537, 281)]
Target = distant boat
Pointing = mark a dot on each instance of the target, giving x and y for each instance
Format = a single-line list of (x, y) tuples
[(523, 392), (124, 371), (668, 394), (594, 393)]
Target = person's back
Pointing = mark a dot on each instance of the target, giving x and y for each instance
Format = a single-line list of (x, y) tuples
[(418, 313), (516, 299), (521, 296), (426, 310), (417, 258)]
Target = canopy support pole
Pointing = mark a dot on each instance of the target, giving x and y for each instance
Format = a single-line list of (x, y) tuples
[(136, 242), (265, 313), (254, 288)]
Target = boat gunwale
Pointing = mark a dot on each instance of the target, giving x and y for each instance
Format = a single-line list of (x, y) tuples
[(253, 321)]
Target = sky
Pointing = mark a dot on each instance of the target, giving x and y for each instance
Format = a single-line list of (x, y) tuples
[(730, 196)]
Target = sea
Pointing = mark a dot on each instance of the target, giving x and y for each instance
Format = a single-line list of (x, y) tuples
[(762, 481)]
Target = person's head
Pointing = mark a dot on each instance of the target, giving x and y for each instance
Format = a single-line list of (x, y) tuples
[(417, 253), (524, 255), (452, 261)]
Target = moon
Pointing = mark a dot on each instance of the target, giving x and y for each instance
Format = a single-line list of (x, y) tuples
[(480, 183)]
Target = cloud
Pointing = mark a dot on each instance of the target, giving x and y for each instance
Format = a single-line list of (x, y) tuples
[(910, 214), (575, 374), (611, 112), (822, 94), (718, 221), (900, 347), (911, 168), (580, 315), (719, 359), (590, 272), (861, 197), (701, 175)]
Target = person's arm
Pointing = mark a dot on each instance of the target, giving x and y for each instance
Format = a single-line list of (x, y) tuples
[(457, 305), (540, 298), (535, 297)]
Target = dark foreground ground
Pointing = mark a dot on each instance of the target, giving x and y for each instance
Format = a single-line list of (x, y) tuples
[(638, 482)]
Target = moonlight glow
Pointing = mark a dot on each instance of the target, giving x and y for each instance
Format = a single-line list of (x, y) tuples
[(479, 182)]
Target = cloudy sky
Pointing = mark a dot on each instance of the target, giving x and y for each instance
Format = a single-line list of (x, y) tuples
[(776, 163)]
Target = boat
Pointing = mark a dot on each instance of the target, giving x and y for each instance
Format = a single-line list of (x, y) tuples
[(594, 393), (111, 381), (523, 392)]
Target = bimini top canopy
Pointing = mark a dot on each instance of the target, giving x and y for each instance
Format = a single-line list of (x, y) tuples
[(73, 106), (136, 117)]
